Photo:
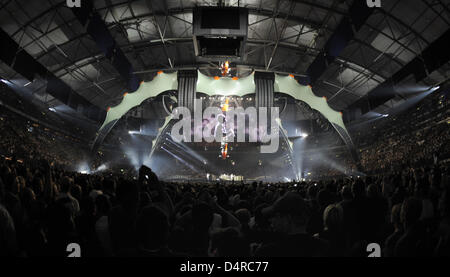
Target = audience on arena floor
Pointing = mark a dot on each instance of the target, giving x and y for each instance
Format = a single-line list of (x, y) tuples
[(109, 215)]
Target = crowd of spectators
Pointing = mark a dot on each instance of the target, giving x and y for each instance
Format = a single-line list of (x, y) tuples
[(416, 148), (415, 137), (43, 209), (24, 139), (403, 205)]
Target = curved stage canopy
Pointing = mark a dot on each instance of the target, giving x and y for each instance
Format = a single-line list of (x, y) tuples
[(162, 82), (227, 87)]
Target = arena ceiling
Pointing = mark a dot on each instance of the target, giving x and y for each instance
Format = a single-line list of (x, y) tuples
[(283, 36)]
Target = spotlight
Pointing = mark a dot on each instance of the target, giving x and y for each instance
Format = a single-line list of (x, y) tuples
[(102, 167), (83, 168), (52, 110), (436, 88)]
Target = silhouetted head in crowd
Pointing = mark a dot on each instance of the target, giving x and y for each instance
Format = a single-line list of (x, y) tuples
[(358, 188), (66, 184), (188, 197), (421, 189), (20, 184), (410, 212), (331, 187), (289, 214), (2, 190), (37, 185), (444, 203), (373, 191), (325, 198), (243, 215), (127, 193), (60, 221), (399, 196), (202, 216), (152, 228), (89, 207), (76, 191), (346, 193), (312, 192), (204, 196), (229, 243), (333, 217), (144, 199), (28, 197), (261, 221), (103, 205), (222, 197), (109, 185), (11, 185), (395, 216)]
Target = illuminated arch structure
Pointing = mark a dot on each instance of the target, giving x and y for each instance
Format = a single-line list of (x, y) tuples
[(226, 87)]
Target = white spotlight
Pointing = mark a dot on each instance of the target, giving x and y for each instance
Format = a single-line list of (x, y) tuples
[(83, 168), (102, 167), (6, 82)]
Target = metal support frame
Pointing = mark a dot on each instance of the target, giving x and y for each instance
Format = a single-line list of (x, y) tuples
[(165, 12)]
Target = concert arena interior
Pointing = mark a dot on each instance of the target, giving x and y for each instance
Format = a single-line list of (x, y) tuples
[(224, 128)]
